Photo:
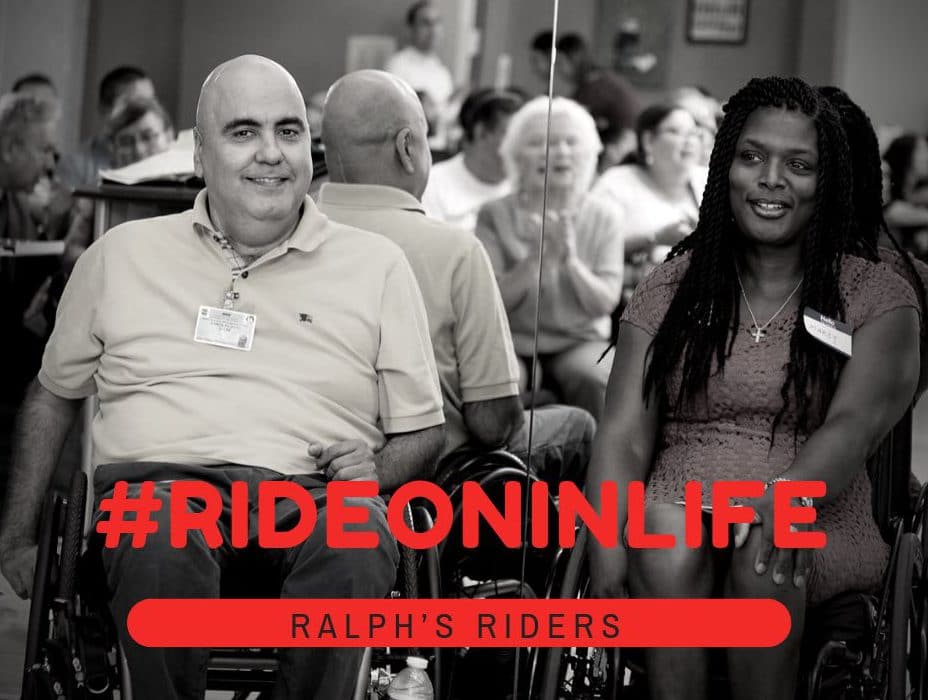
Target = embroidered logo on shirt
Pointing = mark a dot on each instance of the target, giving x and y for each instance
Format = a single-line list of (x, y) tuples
[(306, 318)]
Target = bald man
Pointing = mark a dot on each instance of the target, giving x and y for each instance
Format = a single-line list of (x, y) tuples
[(243, 340), (378, 160)]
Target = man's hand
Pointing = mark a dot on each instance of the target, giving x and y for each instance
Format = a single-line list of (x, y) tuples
[(348, 460), (17, 564)]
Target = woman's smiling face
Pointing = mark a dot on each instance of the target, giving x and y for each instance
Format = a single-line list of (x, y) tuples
[(774, 176)]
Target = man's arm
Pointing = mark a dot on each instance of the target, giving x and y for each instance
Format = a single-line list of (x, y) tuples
[(404, 457), (408, 456), (42, 426), (492, 423)]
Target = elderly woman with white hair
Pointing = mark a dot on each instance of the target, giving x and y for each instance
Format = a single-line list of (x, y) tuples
[(581, 277)]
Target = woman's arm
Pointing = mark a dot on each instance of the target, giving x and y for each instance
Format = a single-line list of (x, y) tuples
[(874, 390), (622, 451), (598, 290)]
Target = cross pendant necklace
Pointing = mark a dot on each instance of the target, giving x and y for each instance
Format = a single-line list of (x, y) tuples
[(758, 331)]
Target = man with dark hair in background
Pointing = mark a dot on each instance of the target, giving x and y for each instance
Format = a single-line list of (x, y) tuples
[(459, 186), (608, 96), (37, 85), (80, 168), (540, 55)]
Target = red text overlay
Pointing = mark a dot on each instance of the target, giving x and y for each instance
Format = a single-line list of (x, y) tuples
[(504, 519)]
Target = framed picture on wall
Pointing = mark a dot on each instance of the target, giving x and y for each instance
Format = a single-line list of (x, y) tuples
[(717, 21)]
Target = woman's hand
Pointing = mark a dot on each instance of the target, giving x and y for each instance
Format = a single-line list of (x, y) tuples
[(783, 564), (560, 236)]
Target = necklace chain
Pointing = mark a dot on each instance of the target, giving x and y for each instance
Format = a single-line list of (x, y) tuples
[(759, 331)]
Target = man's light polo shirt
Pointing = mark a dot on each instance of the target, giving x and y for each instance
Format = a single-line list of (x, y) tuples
[(467, 319), (341, 347)]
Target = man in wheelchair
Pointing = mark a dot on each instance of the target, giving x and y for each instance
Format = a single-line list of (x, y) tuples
[(243, 340)]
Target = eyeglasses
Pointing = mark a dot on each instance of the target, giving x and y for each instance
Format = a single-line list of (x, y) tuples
[(676, 133), (144, 138)]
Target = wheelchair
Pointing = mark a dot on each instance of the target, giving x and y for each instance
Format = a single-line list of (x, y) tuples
[(72, 648), (492, 570), (857, 646)]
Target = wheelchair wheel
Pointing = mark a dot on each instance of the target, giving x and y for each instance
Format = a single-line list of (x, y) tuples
[(73, 536), (578, 672), (906, 632), (39, 677)]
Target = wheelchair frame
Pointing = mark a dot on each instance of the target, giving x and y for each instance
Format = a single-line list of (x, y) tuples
[(64, 612)]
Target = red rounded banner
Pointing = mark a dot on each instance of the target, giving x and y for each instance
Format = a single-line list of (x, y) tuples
[(186, 622)]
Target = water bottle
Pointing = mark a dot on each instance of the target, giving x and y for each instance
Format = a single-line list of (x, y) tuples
[(412, 683)]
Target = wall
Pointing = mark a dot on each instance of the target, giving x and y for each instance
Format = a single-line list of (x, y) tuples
[(771, 48), (47, 36), (882, 54), (512, 24), (308, 38), (821, 23), (133, 32)]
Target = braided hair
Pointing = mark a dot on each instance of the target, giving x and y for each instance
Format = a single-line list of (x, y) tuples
[(701, 323), (867, 187)]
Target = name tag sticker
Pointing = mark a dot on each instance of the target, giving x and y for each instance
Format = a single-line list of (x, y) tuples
[(834, 334), (224, 327)]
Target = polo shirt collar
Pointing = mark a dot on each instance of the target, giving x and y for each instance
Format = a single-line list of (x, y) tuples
[(368, 197), (310, 232)]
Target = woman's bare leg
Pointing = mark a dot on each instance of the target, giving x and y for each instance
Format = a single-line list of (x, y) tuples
[(672, 573), (771, 673)]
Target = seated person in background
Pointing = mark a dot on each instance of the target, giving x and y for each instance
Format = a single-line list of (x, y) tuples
[(906, 210), (714, 354), (27, 153), (459, 186), (705, 111), (80, 168), (581, 278), (328, 374), (608, 96), (657, 198), (137, 129), (378, 169), (49, 203)]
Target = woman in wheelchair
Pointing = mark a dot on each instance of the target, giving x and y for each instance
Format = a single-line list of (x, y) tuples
[(719, 377)]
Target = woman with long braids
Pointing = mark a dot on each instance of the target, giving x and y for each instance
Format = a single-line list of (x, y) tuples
[(717, 378)]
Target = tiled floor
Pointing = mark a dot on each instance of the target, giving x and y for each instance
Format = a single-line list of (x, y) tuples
[(13, 612)]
